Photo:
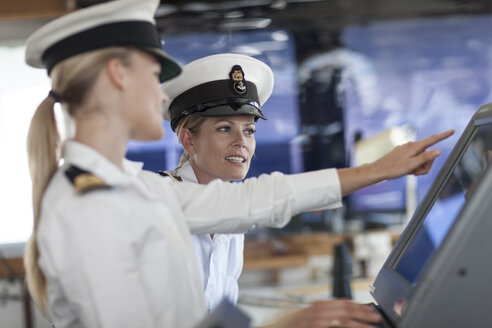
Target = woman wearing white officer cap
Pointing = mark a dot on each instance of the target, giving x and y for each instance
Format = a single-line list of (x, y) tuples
[(213, 106), (111, 244)]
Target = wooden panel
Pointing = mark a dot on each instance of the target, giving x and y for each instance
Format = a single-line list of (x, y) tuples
[(16, 264), (275, 262), (31, 8), (315, 243)]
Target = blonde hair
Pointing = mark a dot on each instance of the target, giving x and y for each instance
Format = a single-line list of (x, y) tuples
[(192, 122), (72, 80)]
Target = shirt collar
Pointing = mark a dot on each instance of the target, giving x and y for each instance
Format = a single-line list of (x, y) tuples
[(88, 159), (186, 173)]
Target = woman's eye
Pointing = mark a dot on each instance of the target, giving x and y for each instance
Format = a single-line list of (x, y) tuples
[(224, 129), (249, 131)]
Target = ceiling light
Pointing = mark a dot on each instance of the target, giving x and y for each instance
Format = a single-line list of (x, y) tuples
[(245, 24)]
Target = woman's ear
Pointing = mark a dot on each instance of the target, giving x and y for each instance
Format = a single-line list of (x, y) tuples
[(186, 139), (116, 73)]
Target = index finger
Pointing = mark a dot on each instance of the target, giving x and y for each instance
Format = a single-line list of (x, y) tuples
[(435, 138)]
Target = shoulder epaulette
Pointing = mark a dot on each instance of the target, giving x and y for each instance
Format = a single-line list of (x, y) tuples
[(84, 181), (175, 178)]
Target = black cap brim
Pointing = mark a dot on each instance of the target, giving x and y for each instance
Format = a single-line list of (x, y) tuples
[(233, 110), (169, 68)]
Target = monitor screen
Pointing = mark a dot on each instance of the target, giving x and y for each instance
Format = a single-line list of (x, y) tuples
[(435, 217), (447, 204)]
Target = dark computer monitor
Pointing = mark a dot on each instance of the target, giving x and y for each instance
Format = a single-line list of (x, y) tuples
[(437, 265)]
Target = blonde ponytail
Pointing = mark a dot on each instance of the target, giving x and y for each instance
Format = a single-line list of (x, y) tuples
[(42, 149)]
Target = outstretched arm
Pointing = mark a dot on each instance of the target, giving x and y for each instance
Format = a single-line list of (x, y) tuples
[(410, 158), (272, 199)]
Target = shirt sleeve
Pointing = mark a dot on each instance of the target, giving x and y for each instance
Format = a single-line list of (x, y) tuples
[(269, 200)]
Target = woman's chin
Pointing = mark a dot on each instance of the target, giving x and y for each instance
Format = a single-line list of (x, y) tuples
[(157, 135), (235, 176)]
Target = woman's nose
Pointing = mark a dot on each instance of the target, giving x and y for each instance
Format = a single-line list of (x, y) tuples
[(165, 97), (239, 139)]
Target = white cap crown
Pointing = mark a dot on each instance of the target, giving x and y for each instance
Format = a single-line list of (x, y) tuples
[(219, 85)]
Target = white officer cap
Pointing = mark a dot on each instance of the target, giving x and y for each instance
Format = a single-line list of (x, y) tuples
[(219, 85), (114, 23)]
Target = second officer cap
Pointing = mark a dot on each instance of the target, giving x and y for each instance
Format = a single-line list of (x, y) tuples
[(115, 23), (219, 85)]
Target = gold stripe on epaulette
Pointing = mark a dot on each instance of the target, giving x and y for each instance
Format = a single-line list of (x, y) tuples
[(85, 182)]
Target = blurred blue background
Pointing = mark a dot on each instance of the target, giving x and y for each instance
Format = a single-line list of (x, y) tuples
[(430, 74)]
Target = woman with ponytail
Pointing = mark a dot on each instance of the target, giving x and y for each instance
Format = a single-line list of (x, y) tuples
[(111, 245), (73, 79)]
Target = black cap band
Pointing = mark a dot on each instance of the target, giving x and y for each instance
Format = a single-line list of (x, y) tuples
[(213, 94), (234, 103), (140, 34)]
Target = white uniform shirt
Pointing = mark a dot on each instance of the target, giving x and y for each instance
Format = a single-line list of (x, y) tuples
[(123, 257), (220, 258)]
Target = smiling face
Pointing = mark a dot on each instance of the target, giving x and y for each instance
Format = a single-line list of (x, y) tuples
[(222, 148)]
